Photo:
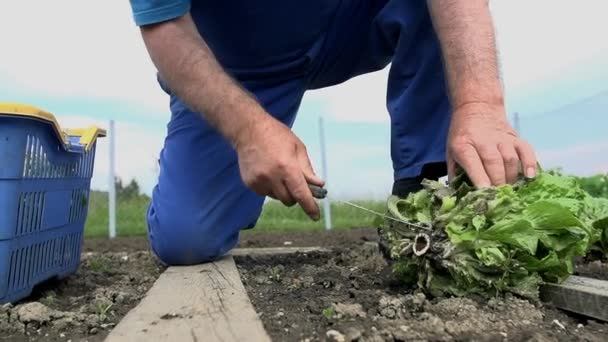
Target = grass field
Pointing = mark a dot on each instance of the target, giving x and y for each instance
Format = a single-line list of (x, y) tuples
[(130, 216), (131, 209)]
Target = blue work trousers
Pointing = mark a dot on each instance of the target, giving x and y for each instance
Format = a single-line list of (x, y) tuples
[(200, 203)]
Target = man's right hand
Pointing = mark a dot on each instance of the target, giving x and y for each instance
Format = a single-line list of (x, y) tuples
[(274, 162)]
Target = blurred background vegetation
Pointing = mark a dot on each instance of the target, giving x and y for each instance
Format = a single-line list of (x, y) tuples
[(132, 205)]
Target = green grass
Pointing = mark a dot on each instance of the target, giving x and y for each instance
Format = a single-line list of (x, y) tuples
[(130, 216), (277, 217), (100, 265)]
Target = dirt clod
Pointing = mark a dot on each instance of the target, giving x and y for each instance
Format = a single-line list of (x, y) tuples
[(349, 310), (36, 313), (392, 307), (335, 336), (353, 334), (64, 323), (559, 324)]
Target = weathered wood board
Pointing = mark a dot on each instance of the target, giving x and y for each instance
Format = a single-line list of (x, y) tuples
[(585, 296), (277, 250), (199, 303)]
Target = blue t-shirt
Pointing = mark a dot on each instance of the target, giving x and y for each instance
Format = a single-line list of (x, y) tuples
[(156, 11), (266, 36)]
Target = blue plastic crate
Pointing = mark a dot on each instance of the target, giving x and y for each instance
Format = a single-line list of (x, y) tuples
[(45, 176)]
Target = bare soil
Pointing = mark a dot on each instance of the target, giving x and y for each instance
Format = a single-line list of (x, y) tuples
[(347, 294), (594, 269), (593, 265), (86, 305), (113, 277), (350, 295)]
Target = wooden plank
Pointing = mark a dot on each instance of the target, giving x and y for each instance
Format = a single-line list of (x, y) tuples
[(277, 250), (585, 296), (205, 302)]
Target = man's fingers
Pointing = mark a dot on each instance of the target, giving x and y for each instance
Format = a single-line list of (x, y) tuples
[(468, 158), (306, 167), (527, 157), (493, 164), (299, 190), (451, 168), (281, 193), (511, 162)]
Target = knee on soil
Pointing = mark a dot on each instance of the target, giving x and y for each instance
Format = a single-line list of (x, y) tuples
[(179, 239)]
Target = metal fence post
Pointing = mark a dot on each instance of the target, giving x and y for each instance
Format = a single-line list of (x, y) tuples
[(326, 202), (516, 124), (112, 181)]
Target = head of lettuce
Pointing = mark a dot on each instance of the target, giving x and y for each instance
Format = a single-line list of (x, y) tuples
[(510, 238)]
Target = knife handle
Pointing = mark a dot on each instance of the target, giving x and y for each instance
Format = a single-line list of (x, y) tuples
[(317, 191)]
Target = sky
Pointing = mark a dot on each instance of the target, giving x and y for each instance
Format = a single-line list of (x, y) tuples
[(85, 62)]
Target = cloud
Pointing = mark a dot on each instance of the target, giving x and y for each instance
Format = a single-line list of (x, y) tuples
[(361, 99), (582, 160), (137, 150), (550, 51), (549, 39), (74, 48)]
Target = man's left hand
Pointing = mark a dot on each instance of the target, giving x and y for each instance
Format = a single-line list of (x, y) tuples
[(484, 144)]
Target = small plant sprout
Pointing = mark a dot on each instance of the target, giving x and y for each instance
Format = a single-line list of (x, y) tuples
[(329, 312), (101, 309)]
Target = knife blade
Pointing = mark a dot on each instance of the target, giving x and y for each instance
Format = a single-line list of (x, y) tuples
[(321, 193)]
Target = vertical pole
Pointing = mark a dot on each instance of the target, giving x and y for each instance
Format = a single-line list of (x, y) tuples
[(516, 123), (112, 181), (326, 202)]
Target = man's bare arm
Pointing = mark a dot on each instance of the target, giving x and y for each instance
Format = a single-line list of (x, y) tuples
[(467, 38), (272, 160), (192, 72), (481, 140)]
